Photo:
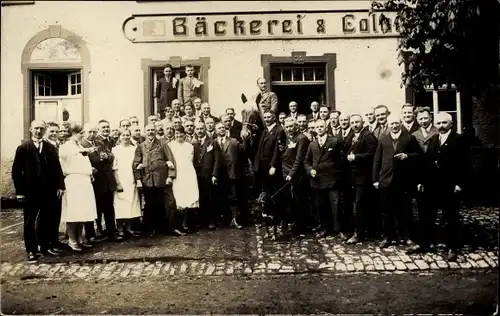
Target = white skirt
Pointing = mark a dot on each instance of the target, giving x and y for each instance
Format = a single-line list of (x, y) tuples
[(78, 201)]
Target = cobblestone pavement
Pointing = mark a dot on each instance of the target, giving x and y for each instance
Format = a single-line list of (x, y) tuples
[(249, 254)]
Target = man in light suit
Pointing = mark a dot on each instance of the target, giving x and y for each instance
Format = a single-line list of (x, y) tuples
[(408, 116), (266, 100), (443, 176), (381, 113), (426, 130), (189, 87)]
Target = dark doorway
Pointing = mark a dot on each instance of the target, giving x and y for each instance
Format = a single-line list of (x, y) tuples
[(302, 94)]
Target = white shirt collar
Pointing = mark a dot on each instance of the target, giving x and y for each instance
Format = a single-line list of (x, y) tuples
[(444, 137), (202, 140), (408, 125), (395, 135), (322, 139), (270, 127), (346, 131)]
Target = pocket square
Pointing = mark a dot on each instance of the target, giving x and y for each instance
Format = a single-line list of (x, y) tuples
[(209, 148), (291, 145), (330, 149)]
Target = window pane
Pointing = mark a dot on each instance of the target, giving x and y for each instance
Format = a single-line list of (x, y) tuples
[(79, 89), (309, 74), (297, 74), (275, 74), (72, 79), (41, 92), (423, 99), (320, 73), (78, 78), (447, 100), (73, 90), (287, 74), (47, 92)]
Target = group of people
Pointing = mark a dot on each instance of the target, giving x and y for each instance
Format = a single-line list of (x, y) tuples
[(326, 172)]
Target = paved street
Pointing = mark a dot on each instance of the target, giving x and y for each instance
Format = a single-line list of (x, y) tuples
[(244, 252)]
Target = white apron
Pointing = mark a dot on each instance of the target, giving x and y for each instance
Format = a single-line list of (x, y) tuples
[(127, 202), (185, 184)]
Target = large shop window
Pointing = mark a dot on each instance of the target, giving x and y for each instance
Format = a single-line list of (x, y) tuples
[(443, 99), (302, 84), (57, 95)]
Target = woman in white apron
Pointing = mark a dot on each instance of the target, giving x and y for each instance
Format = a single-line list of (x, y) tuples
[(185, 184), (78, 201), (127, 205)]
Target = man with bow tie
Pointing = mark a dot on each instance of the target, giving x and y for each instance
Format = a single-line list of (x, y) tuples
[(324, 162), (104, 183), (292, 161), (360, 149), (207, 155), (393, 176), (443, 176), (38, 179)]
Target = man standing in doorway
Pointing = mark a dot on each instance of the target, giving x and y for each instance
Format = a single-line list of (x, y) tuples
[(266, 100), (166, 90), (314, 115), (189, 87), (293, 110)]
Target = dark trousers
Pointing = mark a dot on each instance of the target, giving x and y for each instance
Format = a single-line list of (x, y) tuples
[(54, 222), (374, 212), (297, 200), (159, 203), (208, 208), (428, 205), (228, 198), (105, 206), (346, 207), (360, 195), (36, 222), (327, 204), (396, 218)]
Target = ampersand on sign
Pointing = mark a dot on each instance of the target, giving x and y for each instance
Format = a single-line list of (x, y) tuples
[(321, 26)]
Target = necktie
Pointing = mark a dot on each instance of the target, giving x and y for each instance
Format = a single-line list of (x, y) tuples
[(221, 142)]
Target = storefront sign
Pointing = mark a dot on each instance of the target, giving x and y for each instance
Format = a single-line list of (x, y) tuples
[(257, 26)]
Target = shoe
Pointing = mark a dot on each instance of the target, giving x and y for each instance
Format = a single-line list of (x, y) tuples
[(353, 240), (417, 250), (85, 245), (211, 226), (409, 242), (343, 237), (452, 255), (185, 229), (120, 237), (153, 234), (322, 234), (235, 224), (31, 257), (317, 229), (51, 252), (178, 232), (132, 233), (76, 248), (385, 243)]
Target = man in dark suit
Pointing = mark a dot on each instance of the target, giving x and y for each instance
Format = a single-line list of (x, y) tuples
[(324, 162), (267, 163), (104, 183), (292, 164), (408, 116), (235, 126), (381, 112), (393, 175), (166, 90), (207, 155), (314, 115), (334, 128), (360, 149), (154, 171), (206, 113), (443, 176), (231, 173), (38, 178)]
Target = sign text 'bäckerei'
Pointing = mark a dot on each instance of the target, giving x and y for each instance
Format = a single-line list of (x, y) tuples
[(256, 26)]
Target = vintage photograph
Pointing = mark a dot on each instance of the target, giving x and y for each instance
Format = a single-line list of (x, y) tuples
[(250, 157)]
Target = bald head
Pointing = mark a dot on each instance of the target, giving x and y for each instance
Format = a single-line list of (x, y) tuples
[(344, 121), (394, 122)]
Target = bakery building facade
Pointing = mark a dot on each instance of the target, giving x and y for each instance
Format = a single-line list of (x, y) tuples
[(85, 61)]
